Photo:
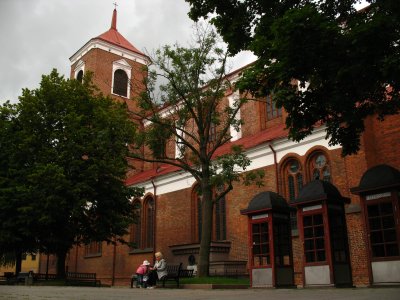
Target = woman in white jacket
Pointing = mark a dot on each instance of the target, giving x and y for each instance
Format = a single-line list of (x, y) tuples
[(159, 270)]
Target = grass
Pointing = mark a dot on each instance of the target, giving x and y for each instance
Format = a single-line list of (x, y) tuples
[(193, 280), (215, 280)]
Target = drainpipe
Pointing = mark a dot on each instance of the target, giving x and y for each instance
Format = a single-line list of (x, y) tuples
[(276, 169), (155, 218), (76, 258), (113, 262), (47, 265)]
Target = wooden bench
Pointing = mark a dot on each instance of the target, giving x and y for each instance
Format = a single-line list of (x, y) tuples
[(75, 278), (175, 272)]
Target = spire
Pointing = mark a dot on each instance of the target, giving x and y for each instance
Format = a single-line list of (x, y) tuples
[(114, 20), (114, 37)]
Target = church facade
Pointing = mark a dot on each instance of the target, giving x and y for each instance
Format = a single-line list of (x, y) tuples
[(320, 219)]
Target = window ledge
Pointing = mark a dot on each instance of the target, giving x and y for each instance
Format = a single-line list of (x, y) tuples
[(215, 247), (126, 97), (139, 251), (93, 255)]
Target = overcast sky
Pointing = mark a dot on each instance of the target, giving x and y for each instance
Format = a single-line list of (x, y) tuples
[(39, 35)]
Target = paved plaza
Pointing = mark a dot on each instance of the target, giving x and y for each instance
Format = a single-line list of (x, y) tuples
[(124, 293)]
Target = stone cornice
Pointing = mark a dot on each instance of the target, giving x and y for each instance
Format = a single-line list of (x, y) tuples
[(108, 47)]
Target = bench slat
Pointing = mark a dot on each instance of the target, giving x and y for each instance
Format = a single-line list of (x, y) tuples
[(77, 278), (175, 272)]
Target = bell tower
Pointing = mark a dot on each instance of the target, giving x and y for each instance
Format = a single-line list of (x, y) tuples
[(118, 67)]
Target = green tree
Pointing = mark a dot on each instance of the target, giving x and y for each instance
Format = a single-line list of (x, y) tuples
[(65, 181), (188, 114), (15, 230), (346, 62)]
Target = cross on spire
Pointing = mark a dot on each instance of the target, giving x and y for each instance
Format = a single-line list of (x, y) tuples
[(114, 18)]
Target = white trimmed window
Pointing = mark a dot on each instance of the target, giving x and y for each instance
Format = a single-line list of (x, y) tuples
[(236, 134), (79, 70), (121, 77), (179, 146)]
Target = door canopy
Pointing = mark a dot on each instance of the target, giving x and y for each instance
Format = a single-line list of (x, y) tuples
[(266, 201), (378, 177), (317, 191)]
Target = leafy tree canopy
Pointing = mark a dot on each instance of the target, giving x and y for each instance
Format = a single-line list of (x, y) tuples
[(63, 151), (324, 61), (189, 120)]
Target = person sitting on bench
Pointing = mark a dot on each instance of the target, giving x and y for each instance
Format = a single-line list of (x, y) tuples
[(158, 271)]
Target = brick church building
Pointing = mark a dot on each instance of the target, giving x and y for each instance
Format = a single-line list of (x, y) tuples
[(319, 220)]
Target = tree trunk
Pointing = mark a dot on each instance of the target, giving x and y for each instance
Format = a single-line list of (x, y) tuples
[(61, 255), (206, 231), (18, 262)]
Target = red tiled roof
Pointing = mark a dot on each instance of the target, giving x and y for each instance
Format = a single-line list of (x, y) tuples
[(251, 141), (112, 36), (248, 142), (147, 175)]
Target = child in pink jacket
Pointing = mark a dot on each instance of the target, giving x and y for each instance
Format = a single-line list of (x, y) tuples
[(142, 274)]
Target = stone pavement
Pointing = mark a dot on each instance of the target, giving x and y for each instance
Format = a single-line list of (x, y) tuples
[(124, 293)]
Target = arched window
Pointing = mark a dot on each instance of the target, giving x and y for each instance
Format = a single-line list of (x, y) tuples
[(93, 249), (294, 178), (136, 232), (149, 219), (294, 181), (179, 141), (213, 132), (271, 109), (319, 167), (79, 76), (199, 217), (220, 219), (196, 215), (120, 84), (79, 70)]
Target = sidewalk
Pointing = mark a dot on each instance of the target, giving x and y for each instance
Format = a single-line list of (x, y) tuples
[(123, 293)]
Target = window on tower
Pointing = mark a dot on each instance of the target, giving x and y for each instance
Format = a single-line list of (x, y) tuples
[(79, 76), (120, 85)]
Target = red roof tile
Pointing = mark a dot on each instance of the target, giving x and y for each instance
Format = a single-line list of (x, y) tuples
[(112, 36), (247, 142), (149, 174)]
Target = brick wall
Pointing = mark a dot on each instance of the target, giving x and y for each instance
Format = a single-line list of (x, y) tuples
[(174, 220), (358, 249)]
